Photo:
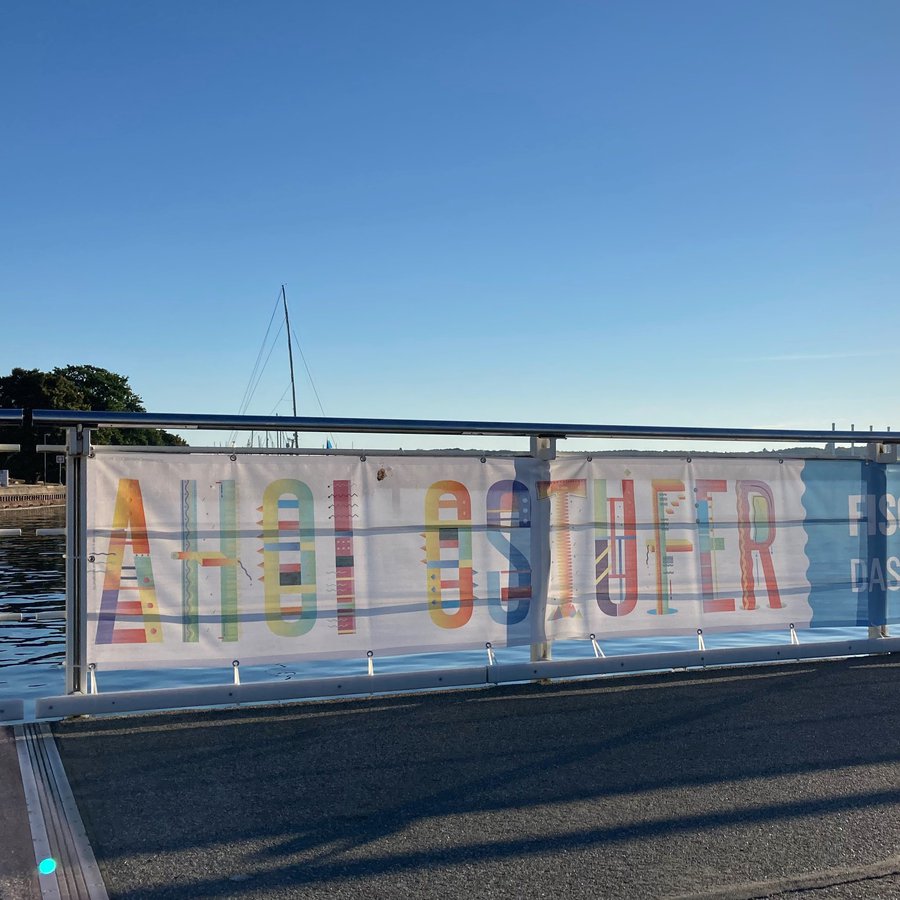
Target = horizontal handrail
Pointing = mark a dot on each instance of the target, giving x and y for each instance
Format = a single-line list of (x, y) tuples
[(11, 416), (53, 615), (60, 418)]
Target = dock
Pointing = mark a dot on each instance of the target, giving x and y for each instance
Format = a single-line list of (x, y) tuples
[(31, 496), (764, 781)]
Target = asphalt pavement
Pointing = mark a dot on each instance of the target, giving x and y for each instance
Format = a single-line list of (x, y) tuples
[(18, 870), (777, 781)]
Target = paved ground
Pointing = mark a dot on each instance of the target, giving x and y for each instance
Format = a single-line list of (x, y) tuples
[(778, 781), (18, 877)]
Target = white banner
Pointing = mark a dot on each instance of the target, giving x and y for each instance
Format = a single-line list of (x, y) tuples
[(202, 559), (659, 546)]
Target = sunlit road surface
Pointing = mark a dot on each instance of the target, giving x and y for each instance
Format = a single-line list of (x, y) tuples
[(759, 782)]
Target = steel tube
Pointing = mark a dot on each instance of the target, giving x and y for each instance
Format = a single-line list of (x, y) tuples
[(11, 416), (58, 418)]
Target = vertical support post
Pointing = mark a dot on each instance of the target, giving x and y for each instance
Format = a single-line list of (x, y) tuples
[(544, 449), (78, 450), (879, 456), (876, 593)]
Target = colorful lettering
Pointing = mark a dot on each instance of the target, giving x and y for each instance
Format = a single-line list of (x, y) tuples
[(668, 493), (129, 621), (193, 558), (615, 549), (343, 557), (509, 511), (561, 542), (289, 557), (448, 554), (710, 544), (756, 534)]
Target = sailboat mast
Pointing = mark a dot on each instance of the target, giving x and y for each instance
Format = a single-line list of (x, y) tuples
[(287, 322)]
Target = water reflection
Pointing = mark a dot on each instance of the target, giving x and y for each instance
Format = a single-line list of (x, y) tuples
[(32, 579)]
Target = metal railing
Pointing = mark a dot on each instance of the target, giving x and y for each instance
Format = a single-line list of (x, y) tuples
[(190, 421), (11, 417), (881, 447)]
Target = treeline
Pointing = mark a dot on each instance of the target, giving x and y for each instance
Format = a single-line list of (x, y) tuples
[(69, 387)]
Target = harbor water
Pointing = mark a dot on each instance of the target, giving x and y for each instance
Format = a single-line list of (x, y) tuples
[(32, 581)]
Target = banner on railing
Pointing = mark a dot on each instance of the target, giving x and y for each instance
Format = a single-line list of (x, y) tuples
[(202, 558)]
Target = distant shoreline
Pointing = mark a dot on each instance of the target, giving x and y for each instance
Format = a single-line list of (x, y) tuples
[(30, 496)]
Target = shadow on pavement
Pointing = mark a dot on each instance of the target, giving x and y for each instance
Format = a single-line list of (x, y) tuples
[(637, 787)]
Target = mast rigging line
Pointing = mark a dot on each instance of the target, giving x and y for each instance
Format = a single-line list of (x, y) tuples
[(248, 391), (311, 381), (258, 372), (287, 322)]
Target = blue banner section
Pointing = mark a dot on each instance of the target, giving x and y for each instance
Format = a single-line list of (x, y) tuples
[(853, 544), (891, 516), (835, 539)]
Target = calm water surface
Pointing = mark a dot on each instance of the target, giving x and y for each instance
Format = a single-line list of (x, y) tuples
[(32, 579)]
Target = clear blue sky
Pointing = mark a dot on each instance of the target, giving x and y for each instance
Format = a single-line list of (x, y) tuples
[(679, 213)]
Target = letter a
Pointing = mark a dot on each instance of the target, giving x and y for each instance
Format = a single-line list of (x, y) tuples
[(129, 529)]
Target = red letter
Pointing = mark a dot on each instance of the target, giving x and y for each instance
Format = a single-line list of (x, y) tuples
[(756, 533)]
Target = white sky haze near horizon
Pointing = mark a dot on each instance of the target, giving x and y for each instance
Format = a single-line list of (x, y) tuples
[(634, 213)]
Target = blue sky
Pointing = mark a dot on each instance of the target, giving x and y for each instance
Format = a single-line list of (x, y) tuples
[(635, 212)]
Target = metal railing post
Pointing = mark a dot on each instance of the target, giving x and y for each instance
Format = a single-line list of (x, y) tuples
[(879, 456), (78, 450), (542, 448)]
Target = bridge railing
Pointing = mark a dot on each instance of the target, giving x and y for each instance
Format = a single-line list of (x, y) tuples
[(190, 556)]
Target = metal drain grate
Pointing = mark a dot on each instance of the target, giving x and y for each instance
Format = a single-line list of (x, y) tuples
[(56, 826)]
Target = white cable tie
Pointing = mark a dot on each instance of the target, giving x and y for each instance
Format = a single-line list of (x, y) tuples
[(236, 666)]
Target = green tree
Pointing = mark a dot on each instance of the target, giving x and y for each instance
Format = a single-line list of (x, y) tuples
[(70, 387), (101, 389)]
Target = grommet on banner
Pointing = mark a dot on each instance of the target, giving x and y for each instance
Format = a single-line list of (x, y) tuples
[(490, 654), (597, 651), (92, 679), (794, 638), (371, 657), (236, 665), (700, 643)]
